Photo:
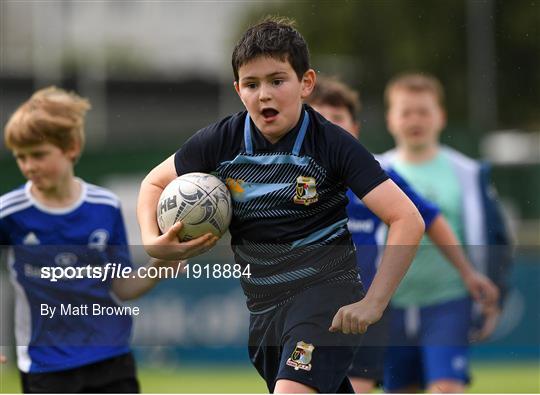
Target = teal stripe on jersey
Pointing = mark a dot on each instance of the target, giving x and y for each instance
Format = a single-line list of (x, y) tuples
[(315, 236), (286, 159)]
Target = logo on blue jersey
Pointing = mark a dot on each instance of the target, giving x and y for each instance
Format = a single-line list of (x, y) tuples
[(31, 239), (66, 259), (306, 191), (98, 240)]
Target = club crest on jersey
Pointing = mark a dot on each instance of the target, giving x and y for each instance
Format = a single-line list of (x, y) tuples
[(306, 192), (301, 356)]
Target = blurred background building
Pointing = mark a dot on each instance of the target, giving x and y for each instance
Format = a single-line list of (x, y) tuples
[(157, 71)]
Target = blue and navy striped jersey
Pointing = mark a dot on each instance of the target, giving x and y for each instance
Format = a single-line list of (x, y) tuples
[(289, 204), (89, 232), (368, 231)]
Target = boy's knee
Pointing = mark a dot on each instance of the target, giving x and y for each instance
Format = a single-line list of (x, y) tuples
[(284, 386), (361, 385), (446, 386)]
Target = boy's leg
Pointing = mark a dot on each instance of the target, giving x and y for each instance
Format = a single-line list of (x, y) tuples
[(446, 369), (403, 371), (324, 371), (362, 386), (311, 355), (113, 375), (445, 330), (61, 382), (284, 386), (263, 359), (367, 369), (123, 386)]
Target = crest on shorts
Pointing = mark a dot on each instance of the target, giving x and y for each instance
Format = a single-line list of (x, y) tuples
[(306, 191), (301, 356)]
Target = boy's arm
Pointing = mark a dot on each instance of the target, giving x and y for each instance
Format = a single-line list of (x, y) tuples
[(482, 289), (165, 246), (133, 287), (406, 227)]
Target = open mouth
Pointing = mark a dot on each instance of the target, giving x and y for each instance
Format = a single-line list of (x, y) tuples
[(415, 132), (269, 113)]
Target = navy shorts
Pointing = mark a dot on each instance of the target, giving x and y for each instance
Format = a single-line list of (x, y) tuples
[(428, 344), (112, 375), (368, 360), (292, 341)]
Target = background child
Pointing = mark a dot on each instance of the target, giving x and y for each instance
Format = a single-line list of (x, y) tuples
[(436, 356), (56, 220), (340, 105)]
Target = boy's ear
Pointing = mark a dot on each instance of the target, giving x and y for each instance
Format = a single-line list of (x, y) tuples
[(356, 128), (444, 119), (74, 152), (237, 88), (308, 82)]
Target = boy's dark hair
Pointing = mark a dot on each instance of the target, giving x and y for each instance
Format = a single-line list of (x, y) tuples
[(273, 37), (332, 92), (415, 82)]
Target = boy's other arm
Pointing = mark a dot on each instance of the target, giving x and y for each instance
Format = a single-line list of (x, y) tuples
[(482, 289), (133, 287), (165, 246), (406, 228)]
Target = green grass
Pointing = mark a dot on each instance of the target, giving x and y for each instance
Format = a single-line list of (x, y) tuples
[(508, 377)]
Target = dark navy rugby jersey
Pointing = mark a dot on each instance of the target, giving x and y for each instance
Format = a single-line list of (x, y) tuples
[(289, 203)]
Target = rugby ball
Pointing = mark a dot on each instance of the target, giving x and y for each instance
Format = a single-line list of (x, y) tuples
[(201, 201)]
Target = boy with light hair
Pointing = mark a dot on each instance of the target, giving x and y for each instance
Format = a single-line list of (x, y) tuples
[(430, 356), (56, 222)]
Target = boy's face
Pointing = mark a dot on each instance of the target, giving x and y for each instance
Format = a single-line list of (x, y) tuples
[(340, 116), (45, 164), (415, 119), (272, 94)]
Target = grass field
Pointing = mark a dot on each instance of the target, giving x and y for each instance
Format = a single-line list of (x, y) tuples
[(522, 377)]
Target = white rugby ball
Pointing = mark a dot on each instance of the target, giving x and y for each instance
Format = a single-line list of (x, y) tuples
[(201, 201)]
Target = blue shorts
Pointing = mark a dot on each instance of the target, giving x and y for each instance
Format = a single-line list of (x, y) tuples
[(292, 341), (428, 344)]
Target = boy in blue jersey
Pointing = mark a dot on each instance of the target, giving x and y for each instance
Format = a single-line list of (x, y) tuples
[(288, 170), (57, 222), (435, 356), (340, 105)]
